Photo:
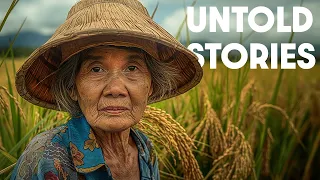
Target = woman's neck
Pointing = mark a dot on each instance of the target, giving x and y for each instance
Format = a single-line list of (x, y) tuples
[(116, 145), (120, 153)]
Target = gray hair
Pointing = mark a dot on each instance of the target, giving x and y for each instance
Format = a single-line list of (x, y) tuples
[(163, 77)]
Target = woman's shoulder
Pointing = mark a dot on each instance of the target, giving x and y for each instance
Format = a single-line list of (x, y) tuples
[(43, 139), (45, 151)]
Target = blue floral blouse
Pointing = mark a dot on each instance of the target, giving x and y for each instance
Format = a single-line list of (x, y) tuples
[(70, 151)]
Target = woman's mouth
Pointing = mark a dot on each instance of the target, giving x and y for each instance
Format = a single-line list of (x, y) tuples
[(114, 109)]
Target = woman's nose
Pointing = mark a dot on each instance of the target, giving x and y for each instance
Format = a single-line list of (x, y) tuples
[(115, 86)]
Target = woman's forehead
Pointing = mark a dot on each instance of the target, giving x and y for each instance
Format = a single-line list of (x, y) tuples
[(106, 49), (99, 53)]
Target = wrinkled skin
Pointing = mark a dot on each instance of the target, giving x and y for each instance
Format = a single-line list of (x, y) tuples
[(113, 77), (112, 89)]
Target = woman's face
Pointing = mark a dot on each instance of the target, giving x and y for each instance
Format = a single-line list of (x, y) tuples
[(112, 88)]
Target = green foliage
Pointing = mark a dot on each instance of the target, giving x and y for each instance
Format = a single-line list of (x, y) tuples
[(19, 123)]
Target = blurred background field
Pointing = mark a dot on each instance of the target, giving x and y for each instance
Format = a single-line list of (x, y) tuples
[(18, 63)]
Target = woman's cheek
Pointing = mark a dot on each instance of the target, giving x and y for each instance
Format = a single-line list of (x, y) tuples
[(88, 97)]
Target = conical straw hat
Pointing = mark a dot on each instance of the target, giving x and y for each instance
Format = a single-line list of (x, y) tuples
[(104, 22)]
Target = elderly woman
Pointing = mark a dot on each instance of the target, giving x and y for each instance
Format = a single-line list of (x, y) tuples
[(103, 65)]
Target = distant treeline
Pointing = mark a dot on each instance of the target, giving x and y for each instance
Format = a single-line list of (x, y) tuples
[(17, 51)]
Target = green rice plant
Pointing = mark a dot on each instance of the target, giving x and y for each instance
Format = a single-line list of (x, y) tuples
[(19, 123), (269, 116), (250, 110), (13, 4)]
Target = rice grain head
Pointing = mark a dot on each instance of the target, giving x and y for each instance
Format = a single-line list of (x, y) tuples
[(258, 110), (233, 157), (211, 130), (163, 129), (238, 155)]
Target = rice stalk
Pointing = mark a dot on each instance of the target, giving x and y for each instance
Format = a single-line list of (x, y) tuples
[(258, 110), (184, 21), (236, 162), (273, 101), (1, 145), (243, 95), (155, 10), (267, 154), (210, 128), (13, 4), (233, 157), (15, 101), (7, 169), (315, 148), (162, 128)]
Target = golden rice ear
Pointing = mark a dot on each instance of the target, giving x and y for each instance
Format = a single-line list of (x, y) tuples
[(163, 130)]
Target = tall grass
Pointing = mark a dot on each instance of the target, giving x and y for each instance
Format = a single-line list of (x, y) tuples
[(230, 126)]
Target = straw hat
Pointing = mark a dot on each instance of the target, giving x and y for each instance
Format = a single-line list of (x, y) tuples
[(104, 22)]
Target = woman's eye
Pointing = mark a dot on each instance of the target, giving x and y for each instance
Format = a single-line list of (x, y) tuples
[(132, 68), (96, 69)]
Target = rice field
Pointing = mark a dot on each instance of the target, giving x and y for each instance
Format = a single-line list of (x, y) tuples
[(8, 62), (229, 127)]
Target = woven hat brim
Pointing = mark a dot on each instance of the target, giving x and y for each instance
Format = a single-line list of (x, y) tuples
[(34, 79)]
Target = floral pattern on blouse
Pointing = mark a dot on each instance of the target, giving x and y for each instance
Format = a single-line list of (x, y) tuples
[(91, 143), (71, 152), (77, 155)]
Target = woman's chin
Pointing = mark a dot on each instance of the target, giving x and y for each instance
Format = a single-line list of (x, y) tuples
[(114, 124)]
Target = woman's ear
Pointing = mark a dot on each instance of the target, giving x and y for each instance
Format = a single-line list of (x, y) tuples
[(73, 94)]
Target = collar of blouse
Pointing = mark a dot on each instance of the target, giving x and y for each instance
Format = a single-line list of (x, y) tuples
[(87, 155)]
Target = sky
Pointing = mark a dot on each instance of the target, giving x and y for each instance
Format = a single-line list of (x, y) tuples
[(44, 16)]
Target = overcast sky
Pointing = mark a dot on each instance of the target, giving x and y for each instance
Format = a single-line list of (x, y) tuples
[(44, 16)]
